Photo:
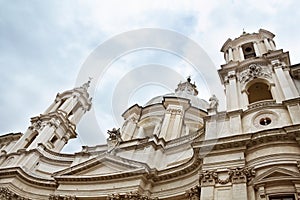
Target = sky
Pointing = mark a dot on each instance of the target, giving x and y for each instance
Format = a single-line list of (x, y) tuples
[(45, 45)]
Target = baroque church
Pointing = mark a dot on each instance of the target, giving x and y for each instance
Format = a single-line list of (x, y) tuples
[(177, 146)]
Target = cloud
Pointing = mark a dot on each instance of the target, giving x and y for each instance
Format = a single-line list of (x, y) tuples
[(43, 45)]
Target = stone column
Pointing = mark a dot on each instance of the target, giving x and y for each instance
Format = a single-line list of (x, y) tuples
[(267, 44), (129, 128), (272, 45), (245, 99), (233, 98), (226, 57), (241, 53), (43, 136), (293, 107), (77, 115), (140, 132), (256, 49), (239, 187), (208, 181), (61, 143), (177, 111), (66, 103), (55, 107), (165, 125), (71, 105), (287, 86), (230, 54)]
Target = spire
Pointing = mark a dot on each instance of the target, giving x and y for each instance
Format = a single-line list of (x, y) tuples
[(87, 84)]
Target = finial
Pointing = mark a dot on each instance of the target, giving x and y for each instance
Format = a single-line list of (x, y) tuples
[(189, 79), (87, 84), (244, 32)]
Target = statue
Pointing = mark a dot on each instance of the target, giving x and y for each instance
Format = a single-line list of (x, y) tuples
[(114, 134), (213, 102)]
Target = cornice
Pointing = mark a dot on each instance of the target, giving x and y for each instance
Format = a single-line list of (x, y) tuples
[(130, 164), (73, 178), (20, 173), (257, 106), (247, 140), (192, 165), (10, 137)]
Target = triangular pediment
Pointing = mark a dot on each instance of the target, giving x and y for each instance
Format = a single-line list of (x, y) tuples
[(275, 174), (103, 165)]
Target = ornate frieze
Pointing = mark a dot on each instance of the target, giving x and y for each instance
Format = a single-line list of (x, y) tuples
[(129, 196), (254, 71), (174, 111), (208, 177), (240, 175), (193, 193), (6, 194), (61, 197), (236, 175)]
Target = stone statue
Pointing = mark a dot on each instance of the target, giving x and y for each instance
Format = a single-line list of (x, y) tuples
[(213, 102), (114, 134)]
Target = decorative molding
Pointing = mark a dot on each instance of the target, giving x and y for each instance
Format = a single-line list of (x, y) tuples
[(262, 104), (241, 175), (60, 197), (298, 165), (256, 120), (193, 193), (174, 111), (6, 194), (129, 196), (254, 71), (236, 175), (208, 178)]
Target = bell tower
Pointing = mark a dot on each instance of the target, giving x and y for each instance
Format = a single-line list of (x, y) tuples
[(58, 123), (255, 71), (260, 89)]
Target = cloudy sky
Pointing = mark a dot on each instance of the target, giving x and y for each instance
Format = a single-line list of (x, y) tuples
[(44, 46)]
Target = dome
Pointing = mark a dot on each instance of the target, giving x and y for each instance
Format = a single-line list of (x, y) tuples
[(185, 90)]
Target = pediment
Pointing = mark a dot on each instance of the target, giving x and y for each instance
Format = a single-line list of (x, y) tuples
[(103, 165), (275, 174)]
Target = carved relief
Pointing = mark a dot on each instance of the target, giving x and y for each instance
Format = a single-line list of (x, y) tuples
[(174, 111), (114, 134), (298, 165), (241, 175), (6, 194), (254, 71), (208, 178), (129, 196), (193, 193), (236, 175), (36, 125), (59, 197)]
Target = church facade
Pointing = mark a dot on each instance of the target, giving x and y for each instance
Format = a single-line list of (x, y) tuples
[(177, 146)]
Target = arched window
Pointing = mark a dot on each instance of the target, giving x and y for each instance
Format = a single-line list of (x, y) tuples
[(248, 50), (259, 91)]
